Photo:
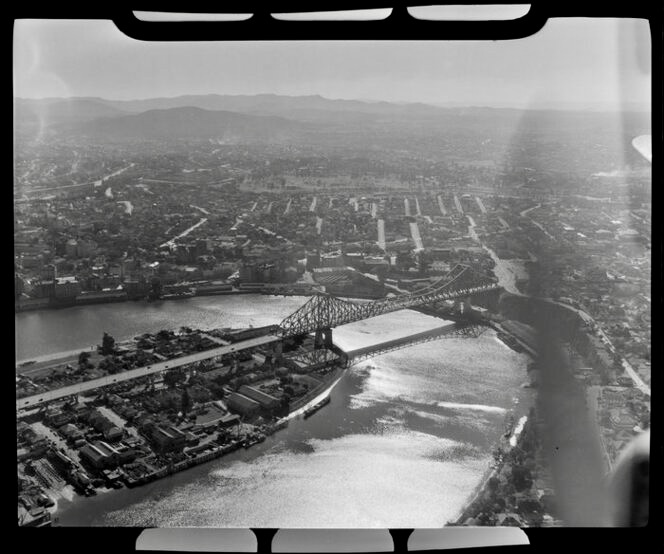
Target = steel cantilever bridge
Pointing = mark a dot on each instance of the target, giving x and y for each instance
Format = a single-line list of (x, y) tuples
[(322, 312), (319, 315)]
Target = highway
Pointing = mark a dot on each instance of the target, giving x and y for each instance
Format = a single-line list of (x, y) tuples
[(56, 394), (417, 238), (381, 233), (480, 204), (458, 204), (441, 205), (184, 233), (95, 183), (524, 212)]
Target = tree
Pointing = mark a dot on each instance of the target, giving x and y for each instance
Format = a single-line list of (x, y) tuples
[(197, 380), (285, 403), (142, 358), (498, 454), (83, 358), (107, 344), (499, 504), (186, 401), (216, 389), (521, 478), (173, 377), (110, 365)]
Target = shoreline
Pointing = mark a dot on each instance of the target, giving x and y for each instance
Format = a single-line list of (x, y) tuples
[(519, 412), (266, 291), (327, 387), (216, 452), (315, 400), (494, 468)]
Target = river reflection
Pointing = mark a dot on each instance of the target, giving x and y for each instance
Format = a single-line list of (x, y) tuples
[(405, 439)]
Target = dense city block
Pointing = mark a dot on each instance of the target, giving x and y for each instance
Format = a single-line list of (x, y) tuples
[(157, 205)]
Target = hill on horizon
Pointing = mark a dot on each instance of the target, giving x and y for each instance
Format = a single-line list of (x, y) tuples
[(187, 122)]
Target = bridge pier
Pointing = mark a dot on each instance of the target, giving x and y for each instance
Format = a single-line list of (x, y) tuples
[(278, 352), (323, 338), (462, 305), (274, 355)]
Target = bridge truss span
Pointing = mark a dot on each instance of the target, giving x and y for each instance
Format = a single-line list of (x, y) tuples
[(447, 332), (324, 311)]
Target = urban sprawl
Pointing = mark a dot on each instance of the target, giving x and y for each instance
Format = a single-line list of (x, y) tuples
[(157, 222)]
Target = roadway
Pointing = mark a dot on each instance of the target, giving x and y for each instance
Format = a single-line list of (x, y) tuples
[(184, 233), (480, 204), (381, 233), (78, 388), (417, 238), (443, 211), (457, 203)]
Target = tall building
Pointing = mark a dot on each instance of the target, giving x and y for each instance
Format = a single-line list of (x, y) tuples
[(313, 260), (48, 272), (67, 287), (248, 273)]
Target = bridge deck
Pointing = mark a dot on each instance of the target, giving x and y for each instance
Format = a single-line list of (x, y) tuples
[(49, 396), (394, 343)]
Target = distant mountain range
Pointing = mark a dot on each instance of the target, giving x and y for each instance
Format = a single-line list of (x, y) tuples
[(263, 116), (63, 110), (259, 104), (189, 122)]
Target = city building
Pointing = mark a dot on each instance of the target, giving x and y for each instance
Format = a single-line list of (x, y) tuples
[(100, 455), (243, 404), (267, 401), (169, 438), (67, 287)]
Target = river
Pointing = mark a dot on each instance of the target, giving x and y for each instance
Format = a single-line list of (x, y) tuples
[(406, 438)]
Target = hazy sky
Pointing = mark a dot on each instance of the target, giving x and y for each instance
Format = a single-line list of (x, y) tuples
[(589, 62)]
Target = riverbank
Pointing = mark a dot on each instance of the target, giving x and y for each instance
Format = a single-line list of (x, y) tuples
[(483, 506), (154, 463), (570, 418), (316, 396), (42, 304), (214, 452), (368, 435), (518, 421), (115, 297)]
